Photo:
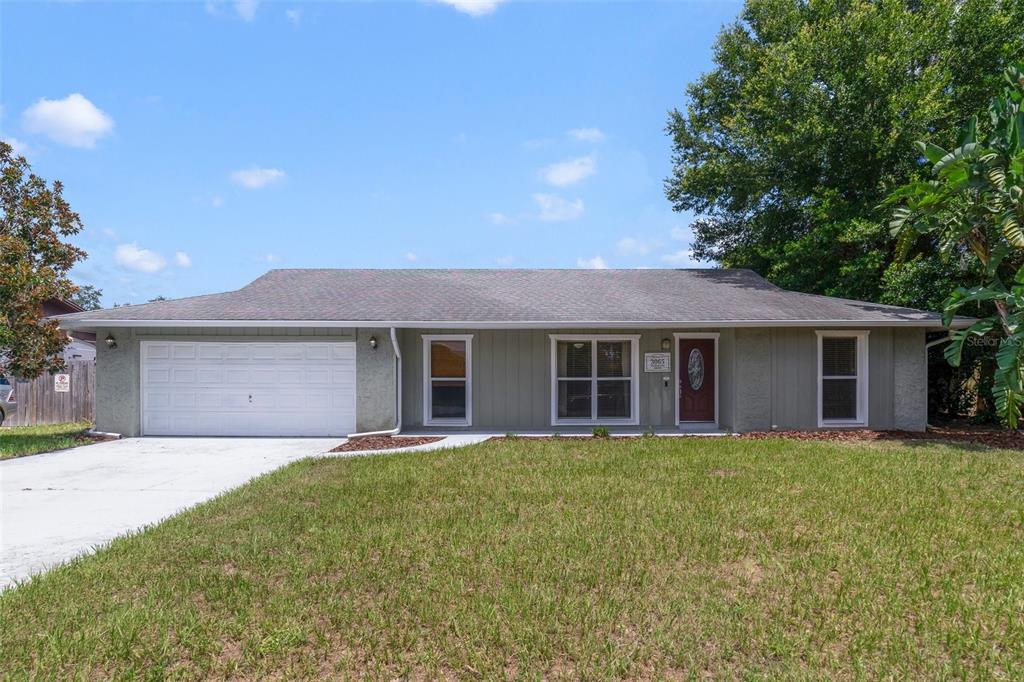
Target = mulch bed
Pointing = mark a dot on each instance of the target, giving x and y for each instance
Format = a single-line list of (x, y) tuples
[(995, 438), (385, 442), (87, 438)]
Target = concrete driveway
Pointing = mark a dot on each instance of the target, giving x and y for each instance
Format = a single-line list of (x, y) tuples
[(56, 506)]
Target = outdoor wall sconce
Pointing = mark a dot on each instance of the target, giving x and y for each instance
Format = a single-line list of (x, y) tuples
[(373, 342), (111, 342), (666, 344)]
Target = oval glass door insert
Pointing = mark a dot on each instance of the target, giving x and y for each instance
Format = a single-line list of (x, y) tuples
[(695, 369)]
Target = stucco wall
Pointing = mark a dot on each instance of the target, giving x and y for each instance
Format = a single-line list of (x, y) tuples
[(375, 381), (910, 378)]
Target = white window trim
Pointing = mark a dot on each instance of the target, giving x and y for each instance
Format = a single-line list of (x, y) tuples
[(428, 419), (862, 377), (678, 376), (634, 380)]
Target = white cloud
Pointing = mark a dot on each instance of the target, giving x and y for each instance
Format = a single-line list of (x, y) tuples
[(587, 134), (410, 256), (475, 8), (269, 258), (555, 209), (294, 16), (631, 246), (680, 258), (682, 234), (17, 146), (182, 259), (505, 260), (500, 219), (134, 258), (217, 201), (246, 9), (569, 172), (255, 178), (595, 263), (74, 120)]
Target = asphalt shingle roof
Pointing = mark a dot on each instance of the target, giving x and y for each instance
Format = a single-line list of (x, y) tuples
[(497, 296)]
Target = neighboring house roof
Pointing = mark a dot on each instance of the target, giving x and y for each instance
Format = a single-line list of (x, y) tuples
[(507, 298), (59, 306)]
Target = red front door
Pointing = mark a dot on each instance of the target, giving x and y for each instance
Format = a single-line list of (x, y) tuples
[(696, 380)]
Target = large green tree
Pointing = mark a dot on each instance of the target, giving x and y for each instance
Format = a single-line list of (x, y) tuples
[(787, 147), (35, 259)]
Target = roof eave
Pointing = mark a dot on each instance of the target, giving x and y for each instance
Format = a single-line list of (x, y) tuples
[(92, 324)]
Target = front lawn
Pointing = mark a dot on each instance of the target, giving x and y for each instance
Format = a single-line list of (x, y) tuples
[(643, 558), (17, 441)]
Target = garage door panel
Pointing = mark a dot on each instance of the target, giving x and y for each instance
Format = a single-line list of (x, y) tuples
[(344, 352), (237, 376), (209, 376), (157, 351), (183, 375), (244, 388), (158, 376), (211, 351)]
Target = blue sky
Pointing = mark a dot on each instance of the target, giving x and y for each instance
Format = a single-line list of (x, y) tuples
[(205, 143)]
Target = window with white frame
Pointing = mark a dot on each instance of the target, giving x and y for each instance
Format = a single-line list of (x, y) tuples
[(842, 378), (594, 379), (447, 379)]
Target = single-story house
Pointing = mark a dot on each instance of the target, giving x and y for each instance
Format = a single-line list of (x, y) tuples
[(332, 352)]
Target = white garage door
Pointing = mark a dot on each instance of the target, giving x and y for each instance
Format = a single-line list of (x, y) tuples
[(248, 389)]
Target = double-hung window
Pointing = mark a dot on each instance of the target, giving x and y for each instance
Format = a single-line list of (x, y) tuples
[(594, 379), (447, 379), (842, 378)]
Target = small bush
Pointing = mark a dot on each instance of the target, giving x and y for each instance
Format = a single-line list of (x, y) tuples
[(511, 435), (601, 432)]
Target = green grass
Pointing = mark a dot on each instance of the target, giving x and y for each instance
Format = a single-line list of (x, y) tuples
[(641, 558), (18, 441)]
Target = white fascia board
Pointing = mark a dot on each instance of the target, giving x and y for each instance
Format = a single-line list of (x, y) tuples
[(557, 324)]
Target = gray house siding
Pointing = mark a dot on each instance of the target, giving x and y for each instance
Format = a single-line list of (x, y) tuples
[(511, 382), (118, 381), (767, 378)]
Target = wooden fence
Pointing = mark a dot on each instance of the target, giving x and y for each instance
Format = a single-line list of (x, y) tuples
[(40, 403)]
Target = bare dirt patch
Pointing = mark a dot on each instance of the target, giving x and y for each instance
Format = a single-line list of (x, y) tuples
[(1006, 439), (385, 443)]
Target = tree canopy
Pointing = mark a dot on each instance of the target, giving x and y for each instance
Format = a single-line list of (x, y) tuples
[(87, 297), (788, 146), (34, 265)]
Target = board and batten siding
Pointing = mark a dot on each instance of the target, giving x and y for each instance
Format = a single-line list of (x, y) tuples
[(777, 386), (767, 378), (512, 376)]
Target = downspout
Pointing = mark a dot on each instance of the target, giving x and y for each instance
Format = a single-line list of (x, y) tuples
[(927, 347), (398, 395)]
